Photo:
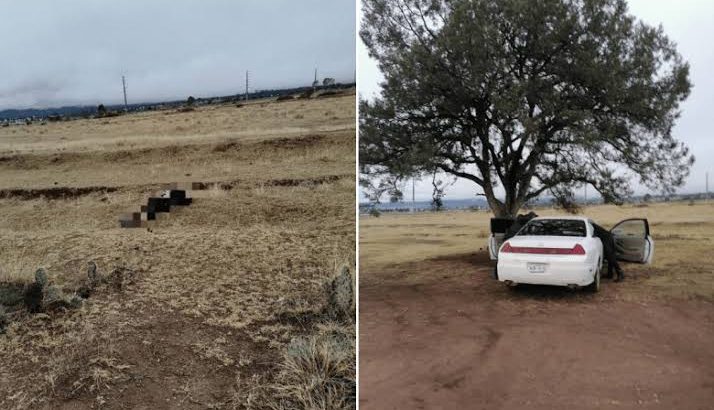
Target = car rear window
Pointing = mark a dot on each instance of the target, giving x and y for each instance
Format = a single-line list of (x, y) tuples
[(554, 227)]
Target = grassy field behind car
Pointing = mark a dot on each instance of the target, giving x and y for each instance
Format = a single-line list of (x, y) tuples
[(683, 234)]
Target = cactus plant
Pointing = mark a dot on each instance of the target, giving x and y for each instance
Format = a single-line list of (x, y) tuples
[(340, 294)]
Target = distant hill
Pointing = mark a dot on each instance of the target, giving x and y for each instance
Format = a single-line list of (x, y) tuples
[(480, 203), (87, 110)]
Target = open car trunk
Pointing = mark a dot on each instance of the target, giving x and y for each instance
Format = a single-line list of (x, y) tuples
[(499, 227)]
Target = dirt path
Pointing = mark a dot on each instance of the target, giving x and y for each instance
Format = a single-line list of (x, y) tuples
[(458, 339)]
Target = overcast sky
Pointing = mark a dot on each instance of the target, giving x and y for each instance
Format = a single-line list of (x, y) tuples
[(689, 23), (56, 53)]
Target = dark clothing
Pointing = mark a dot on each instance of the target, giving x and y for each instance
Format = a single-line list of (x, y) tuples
[(609, 251), (518, 223), (512, 230)]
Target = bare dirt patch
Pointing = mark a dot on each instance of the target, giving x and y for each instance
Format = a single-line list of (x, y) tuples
[(175, 361), (442, 333)]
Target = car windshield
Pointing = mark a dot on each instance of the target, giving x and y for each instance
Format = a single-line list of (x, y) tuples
[(554, 227)]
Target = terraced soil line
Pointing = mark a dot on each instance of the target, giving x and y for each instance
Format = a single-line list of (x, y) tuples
[(458, 339), (75, 192)]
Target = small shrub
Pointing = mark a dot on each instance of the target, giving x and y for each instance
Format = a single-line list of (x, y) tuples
[(55, 299), (34, 292), (329, 93), (318, 372), (11, 294), (305, 95)]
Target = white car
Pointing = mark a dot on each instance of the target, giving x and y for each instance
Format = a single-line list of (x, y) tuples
[(563, 251)]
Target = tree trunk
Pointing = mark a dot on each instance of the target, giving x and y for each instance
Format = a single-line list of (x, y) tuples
[(507, 209)]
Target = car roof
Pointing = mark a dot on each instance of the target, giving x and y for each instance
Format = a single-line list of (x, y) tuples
[(577, 218)]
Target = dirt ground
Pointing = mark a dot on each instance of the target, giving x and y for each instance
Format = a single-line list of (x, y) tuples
[(437, 332), (219, 291)]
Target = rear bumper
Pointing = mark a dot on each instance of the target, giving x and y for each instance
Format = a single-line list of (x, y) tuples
[(557, 273)]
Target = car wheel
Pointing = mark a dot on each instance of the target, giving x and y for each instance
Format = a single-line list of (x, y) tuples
[(595, 286)]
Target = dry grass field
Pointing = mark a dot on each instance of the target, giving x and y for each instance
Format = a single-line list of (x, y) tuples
[(220, 304), (436, 330), (683, 234)]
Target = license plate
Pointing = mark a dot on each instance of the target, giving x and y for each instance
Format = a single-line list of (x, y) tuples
[(536, 267)]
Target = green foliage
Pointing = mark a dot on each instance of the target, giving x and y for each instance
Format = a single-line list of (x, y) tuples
[(438, 193), (535, 97)]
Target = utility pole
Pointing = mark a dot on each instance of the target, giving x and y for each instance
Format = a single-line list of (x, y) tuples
[(314, 83), (585, 186), (123, 84), (413, 203), (707, 184), (246, 84)]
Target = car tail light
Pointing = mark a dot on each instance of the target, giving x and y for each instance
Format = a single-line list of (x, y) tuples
[(575, 250), (507, 248)]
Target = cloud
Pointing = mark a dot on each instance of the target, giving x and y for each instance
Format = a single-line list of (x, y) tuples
[(76, 51)]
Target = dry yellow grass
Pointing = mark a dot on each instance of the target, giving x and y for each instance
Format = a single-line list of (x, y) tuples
[(213, 143), (216, 283), (255, 121), (683, 240)]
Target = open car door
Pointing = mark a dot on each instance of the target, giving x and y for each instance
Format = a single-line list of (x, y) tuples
[(633, 242), (499, 227)]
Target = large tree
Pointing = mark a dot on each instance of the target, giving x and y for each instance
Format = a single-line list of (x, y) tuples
[(533, 96)]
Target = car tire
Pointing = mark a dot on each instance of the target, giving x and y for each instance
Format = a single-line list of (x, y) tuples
[(595, 286)]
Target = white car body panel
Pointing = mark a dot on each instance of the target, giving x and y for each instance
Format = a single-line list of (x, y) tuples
[(493, 247), (649, 250), (557, 270)]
